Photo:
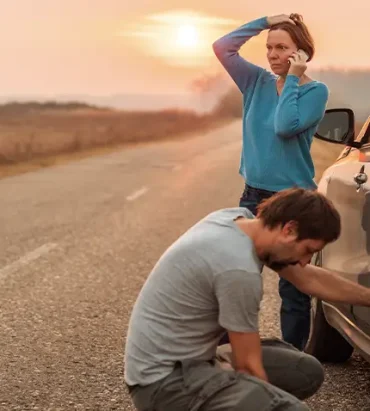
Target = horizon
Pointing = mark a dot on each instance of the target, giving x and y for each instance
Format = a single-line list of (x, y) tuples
[(347, 88)]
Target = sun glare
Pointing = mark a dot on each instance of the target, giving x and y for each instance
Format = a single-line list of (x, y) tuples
[(181, 38), (187, 36)]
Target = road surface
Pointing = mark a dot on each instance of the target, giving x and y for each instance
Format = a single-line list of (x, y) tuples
[(77, 242)]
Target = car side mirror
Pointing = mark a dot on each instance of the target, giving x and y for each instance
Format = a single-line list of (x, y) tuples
[(337, 126)]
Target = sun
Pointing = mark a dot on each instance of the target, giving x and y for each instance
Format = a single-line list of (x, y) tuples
[(181, 38), (187, 36)]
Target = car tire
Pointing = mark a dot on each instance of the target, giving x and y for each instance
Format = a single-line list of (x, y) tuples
[(325, 342)]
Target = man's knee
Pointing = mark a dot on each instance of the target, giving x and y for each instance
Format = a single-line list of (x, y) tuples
[(292, 370), (314, 374), (265, 396)]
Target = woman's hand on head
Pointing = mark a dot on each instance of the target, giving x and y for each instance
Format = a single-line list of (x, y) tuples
[(298, 63), (281, 18)]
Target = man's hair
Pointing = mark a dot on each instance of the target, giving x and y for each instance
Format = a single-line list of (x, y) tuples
[(299, 34), (315, 215)]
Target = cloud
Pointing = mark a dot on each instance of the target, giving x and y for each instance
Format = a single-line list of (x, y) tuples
[(196, 18), (150, 25), (164, 36)]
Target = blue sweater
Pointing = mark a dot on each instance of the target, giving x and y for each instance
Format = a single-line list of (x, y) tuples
[(277, 130)]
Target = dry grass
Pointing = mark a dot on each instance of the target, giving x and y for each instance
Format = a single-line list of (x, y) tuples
[(35, 135)]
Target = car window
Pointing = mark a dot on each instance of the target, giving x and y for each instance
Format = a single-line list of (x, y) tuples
[(334, 126)]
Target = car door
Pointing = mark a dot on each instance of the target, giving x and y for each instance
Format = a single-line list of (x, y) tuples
[(362, 314), (350, 254)]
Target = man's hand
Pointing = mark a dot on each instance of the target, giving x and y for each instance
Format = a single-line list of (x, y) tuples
[(298, 63), (281, 18)]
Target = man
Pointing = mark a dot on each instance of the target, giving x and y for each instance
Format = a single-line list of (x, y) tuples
[(208, 282)]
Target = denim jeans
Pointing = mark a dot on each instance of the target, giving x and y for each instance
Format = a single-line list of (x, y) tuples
[(295, 308), (214, 385)]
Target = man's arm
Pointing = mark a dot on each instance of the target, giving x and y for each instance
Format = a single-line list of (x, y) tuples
[(326, 285), (247, 353), (239, 294)]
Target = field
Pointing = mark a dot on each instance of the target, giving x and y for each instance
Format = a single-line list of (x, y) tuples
[(35, 134)]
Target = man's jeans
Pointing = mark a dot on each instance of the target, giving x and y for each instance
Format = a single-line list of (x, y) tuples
[(295, 308), (215, 386)]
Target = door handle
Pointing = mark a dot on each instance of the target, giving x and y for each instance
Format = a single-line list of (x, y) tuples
[(360, 178)]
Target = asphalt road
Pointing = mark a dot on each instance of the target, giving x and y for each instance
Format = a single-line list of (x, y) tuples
[(78, 240)]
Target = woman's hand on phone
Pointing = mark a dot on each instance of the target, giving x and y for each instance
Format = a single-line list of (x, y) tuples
[(298, 63), (281, 18)]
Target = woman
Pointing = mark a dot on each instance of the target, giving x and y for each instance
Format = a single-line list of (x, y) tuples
[(281, 112)]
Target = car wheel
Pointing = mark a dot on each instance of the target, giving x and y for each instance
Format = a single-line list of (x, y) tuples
[(325, 342)]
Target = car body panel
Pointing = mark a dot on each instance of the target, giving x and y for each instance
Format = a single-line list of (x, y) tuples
[(349, 256), (348, 329)]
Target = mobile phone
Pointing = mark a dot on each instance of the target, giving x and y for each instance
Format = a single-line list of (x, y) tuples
[(303, 54)]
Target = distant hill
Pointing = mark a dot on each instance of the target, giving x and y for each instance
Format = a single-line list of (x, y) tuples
[(13, 108), (121, 101)]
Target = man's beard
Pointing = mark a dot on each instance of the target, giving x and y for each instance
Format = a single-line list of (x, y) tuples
[(277, 265)]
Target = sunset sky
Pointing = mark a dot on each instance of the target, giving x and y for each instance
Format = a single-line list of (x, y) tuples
[(119, 46)]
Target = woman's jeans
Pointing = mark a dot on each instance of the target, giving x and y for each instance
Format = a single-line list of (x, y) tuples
[(295, 309)]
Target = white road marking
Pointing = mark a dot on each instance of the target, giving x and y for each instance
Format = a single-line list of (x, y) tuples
[(26, 259), (137, 194)]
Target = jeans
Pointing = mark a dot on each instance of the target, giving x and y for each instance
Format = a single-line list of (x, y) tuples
[(214, 385), (295, 311)]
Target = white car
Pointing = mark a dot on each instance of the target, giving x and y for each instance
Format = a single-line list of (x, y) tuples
[(336, 329)]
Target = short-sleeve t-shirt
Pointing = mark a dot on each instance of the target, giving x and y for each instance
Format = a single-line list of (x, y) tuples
[(207, 282)]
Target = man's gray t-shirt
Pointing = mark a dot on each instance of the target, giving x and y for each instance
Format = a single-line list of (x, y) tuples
[(207, 282)]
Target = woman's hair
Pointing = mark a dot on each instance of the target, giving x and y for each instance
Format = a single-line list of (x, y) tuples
[(299, 34)]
